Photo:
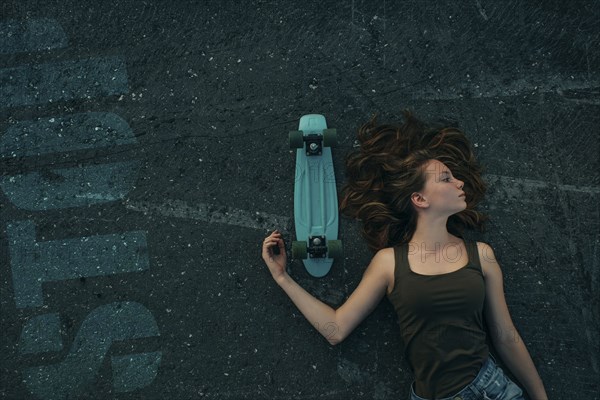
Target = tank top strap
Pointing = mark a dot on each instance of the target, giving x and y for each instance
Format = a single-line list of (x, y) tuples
[(473, 253), (401, 259)]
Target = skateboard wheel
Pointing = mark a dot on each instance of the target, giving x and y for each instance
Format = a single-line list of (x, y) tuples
[(330, 138), (334, 248), (299, 250), (296, 139)]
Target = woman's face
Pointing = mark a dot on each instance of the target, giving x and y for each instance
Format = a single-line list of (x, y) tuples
[(442, 191)]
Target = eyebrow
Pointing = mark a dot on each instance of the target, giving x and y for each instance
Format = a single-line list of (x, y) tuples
[(444, 172)]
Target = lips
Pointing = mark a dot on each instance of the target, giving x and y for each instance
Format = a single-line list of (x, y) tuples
[(462, 195)]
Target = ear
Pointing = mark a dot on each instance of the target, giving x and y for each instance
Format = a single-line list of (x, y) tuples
[(418, 200)]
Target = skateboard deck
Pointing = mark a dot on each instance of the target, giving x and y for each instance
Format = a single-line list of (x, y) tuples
[(316, 214)]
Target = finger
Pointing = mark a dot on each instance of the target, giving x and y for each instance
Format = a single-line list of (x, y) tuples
[(267, 254), (277, 247), (270, 244)]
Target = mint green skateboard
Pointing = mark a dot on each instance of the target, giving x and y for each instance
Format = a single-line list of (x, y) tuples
[(316, 214)]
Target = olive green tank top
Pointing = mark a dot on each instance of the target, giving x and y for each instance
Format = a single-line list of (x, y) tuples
[(441, 323)]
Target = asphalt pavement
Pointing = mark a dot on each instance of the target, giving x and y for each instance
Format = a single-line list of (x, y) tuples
[(144, 156)]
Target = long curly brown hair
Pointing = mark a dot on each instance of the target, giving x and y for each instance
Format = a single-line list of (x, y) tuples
[(390, 165)]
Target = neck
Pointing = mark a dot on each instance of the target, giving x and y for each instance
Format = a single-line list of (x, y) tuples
[(431, 234)]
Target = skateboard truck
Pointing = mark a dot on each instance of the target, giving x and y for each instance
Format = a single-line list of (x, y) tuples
[(314, 144), (317, 246)]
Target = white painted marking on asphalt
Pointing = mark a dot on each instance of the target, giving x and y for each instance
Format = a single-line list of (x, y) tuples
[(98, 196), (211, 213), (72, 132), (21, 36), (69, 80), (536, 184), (261, 220), (493, 86)]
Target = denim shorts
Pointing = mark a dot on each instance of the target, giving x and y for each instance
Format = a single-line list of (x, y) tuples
[(490, 384)]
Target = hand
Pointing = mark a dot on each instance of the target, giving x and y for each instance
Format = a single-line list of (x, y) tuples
[(275, 262)]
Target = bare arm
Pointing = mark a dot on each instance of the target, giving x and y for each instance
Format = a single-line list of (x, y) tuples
[(334, 325), (504, 335)]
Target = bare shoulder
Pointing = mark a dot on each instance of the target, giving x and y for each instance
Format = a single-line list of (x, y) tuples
[(383, 264), (486, 257)]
